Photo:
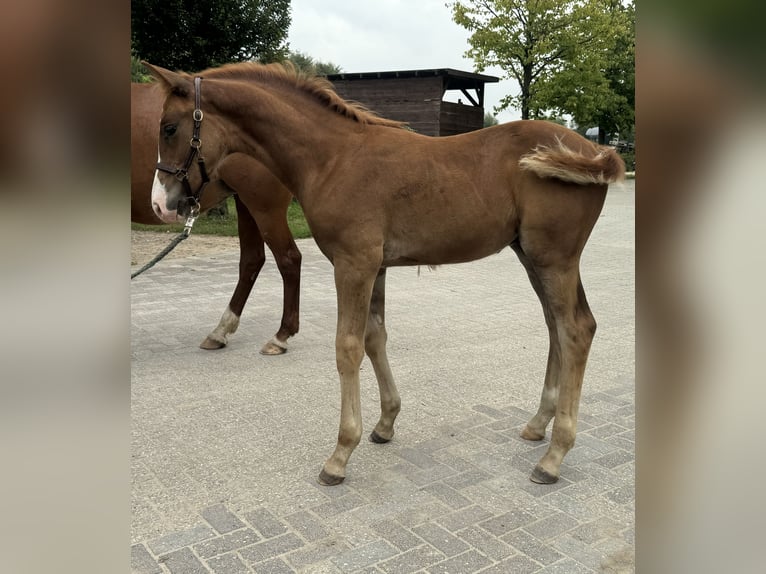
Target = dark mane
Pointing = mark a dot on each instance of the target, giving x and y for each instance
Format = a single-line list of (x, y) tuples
[(318, 87)]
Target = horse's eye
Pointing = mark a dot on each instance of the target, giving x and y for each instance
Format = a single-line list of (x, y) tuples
[(169, 129)]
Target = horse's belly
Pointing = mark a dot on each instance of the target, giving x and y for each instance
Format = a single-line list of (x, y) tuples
[(442, 250)]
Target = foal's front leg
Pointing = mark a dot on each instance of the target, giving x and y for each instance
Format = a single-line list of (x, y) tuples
[(354, 278)]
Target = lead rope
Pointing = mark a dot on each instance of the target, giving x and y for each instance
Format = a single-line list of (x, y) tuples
[(172, 245)]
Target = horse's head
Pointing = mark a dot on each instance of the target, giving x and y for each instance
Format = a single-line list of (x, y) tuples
[(190, 146)]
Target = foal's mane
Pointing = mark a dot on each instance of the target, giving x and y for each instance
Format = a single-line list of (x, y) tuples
[(318, 87)]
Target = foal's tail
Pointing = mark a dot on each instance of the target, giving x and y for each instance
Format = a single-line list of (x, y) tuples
[(602, 165)]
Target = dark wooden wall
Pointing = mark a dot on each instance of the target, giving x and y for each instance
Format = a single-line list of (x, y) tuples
[(417, 101)]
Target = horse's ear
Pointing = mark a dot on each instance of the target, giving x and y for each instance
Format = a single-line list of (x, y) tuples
[(172, 82)]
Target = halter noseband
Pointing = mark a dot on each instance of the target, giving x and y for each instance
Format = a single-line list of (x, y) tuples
[(182, 173)]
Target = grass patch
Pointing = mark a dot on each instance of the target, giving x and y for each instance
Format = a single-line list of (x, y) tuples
[(227, 225)]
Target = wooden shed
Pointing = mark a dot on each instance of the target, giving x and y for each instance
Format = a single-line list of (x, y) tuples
[(417, 97)]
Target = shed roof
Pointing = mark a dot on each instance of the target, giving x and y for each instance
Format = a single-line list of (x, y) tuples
[(455, 79)]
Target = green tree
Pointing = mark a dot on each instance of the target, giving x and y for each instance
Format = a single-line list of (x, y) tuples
[(558, 51), (309, 65), (489, 120), (192, 35)]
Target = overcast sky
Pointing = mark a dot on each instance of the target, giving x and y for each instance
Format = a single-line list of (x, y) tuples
[(385, 35)]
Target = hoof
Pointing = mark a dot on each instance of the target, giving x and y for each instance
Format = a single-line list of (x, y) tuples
[(274, 347), (327, 479), (376, 438), (212, 344), (529, 434), (541, 476)]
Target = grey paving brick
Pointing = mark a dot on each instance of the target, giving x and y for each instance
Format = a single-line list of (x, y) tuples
[(603, 527), (177, 540), (396, 534), (615, 458), (363, 556), (468, 478), (464, 518), (273, 566), (494, 413), (417, 457), (265, 522), (227, 543), (184, 562), (504, 523), (566, 566), (441, 539), (412, 560), (485, 543), (228, 564), (551, 526), (141, 562), (465, 563), (219, 517), (448, 495), (623, 495), (271, 548), (533, 547), (339, 505), (581, 551), (317, 552), (308, 526), (515, 565), (431, 474)]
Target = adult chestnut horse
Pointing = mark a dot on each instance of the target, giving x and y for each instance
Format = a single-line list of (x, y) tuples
[(378, 196), (261, 202)]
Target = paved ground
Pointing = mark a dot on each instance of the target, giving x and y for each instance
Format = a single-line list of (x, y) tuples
[(227, 444)]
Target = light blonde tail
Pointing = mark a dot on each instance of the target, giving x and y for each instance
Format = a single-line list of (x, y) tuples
[(603, 166)]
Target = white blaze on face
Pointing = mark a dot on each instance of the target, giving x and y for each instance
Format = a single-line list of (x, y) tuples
[(159, 199)]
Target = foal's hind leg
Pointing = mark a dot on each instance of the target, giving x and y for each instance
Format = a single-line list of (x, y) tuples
[(375, 345), (574, 327), (535, 429), (251, 260)]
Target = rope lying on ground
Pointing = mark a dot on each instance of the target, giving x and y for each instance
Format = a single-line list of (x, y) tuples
[(181, 236)]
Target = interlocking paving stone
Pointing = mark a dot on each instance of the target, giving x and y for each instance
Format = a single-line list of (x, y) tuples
[(228, 564), (485, 543), (465, 563), (184, 562), (532, 547), (412, 560), (221, 519), (396, 534), (504, 523), (265, 522), (227, 543), (363, 556), (179, 539), (308, 526), (514, 565), (271, 548), (441, 539), (141, 562), (227, 444)]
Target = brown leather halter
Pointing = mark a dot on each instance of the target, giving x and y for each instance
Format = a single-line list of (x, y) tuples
[(182, 173)]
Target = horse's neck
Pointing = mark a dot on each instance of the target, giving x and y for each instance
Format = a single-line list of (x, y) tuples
[(300, 137)]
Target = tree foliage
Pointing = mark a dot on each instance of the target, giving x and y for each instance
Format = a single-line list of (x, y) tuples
[(192, 35), (570, 57), (309, 65)]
